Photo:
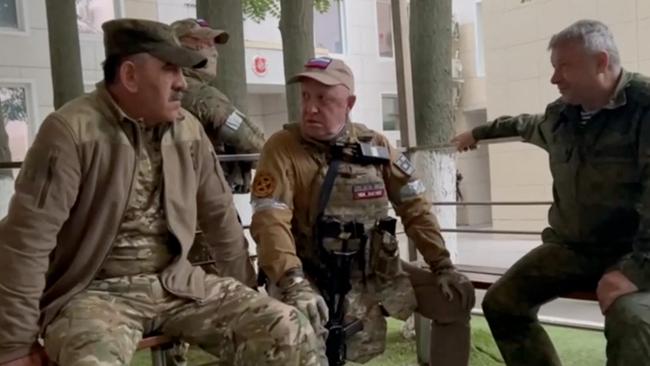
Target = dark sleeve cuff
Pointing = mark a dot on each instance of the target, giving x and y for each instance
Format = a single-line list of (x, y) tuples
[(480, 132)]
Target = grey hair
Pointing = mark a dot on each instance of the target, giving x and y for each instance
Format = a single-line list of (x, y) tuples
[(594, 36)]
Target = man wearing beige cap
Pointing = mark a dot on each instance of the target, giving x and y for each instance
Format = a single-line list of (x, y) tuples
[(321, 197), (229, 130), (93, 251)]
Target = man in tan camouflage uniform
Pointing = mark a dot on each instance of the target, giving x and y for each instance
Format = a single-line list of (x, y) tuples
[(93, 252), (299, 246), (229, 130)]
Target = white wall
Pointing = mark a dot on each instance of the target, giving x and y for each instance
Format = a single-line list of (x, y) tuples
[(269, 108), (463, 10), (172, 10), (265, 31)]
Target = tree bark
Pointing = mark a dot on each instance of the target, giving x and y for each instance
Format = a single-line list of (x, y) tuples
[(231, 69), (65, 56), (431, 45), (431, 59), (297, 29), (431, 55)]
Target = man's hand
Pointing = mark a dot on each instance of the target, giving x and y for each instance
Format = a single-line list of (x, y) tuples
[(611, 286), (297, 292), (38, 357), (465, 141), (451, 280)]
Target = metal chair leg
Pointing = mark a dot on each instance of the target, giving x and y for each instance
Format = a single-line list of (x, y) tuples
[(158, 357), (422, 338)]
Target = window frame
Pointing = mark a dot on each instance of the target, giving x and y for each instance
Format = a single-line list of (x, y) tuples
[(118, 10), (31, 105), (343, 28), (22, 28), (384, 58), (394, 95)]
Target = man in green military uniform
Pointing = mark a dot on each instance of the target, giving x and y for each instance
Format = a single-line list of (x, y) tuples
[(94, 250), (229, 130), (598, 139)]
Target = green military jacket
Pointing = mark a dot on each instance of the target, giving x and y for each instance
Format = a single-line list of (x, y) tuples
[(229, 130), (220, 118), (600, 169)]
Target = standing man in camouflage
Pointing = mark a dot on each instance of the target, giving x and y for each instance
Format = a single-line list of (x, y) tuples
[(229, 130), (598, 139), (93, 252), (323, 188)]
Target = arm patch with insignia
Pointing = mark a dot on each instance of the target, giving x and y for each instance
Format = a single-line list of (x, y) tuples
[(404, 165), (263, 185)]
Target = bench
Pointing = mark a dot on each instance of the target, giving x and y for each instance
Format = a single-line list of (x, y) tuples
[(482, 278), (158, 345)]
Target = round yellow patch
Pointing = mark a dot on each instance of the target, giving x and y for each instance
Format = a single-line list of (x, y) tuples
[(263, 185)]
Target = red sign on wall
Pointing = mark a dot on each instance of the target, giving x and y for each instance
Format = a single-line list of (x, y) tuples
[(260, 65)]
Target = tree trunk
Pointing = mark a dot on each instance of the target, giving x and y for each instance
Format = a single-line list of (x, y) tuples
[(6, 177), (297, 29), (65, 57), (5, 153), (231, 70), (431, 45)]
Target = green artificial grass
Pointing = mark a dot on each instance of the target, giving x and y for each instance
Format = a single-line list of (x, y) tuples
[(576, 348)]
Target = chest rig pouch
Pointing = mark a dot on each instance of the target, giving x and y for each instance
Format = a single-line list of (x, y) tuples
[(358, 261)]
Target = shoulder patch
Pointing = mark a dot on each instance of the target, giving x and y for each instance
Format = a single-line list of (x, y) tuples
[(263, 185), (234, 120), (404, 164)]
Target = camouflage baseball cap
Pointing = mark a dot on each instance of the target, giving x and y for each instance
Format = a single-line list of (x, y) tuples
[(123, 37), (328, 71), (199, 28)]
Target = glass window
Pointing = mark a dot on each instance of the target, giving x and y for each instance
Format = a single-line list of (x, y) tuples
[(328, 28), (390, 112), (385, 28), (92, 13), (8, 14), (15, 112), (15, 135)]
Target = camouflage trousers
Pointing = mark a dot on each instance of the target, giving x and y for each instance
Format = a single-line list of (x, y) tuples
[(450, 331), (103, 324), (547, 272)]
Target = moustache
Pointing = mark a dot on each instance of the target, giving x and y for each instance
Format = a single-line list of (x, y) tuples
[(176, 97)]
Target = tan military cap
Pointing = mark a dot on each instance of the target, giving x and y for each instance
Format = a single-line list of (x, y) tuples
[(199, 28), (328, 71), (123, 37)]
